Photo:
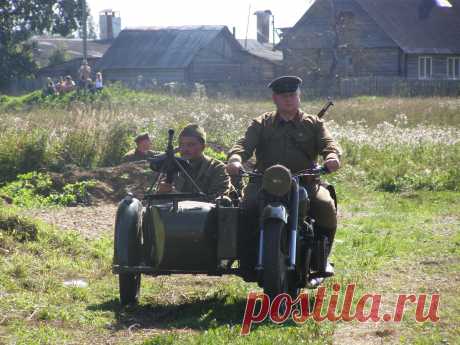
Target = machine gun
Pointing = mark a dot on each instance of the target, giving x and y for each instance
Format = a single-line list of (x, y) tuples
[(167, 164)]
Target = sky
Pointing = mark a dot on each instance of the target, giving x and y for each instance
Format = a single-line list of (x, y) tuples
[(135, 13)]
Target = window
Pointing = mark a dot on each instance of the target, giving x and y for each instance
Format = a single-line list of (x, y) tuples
[(453, 68), (425, 67)]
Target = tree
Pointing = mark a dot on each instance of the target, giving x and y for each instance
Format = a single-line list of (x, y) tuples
[(58, 56), (20, 20), (91, 28)]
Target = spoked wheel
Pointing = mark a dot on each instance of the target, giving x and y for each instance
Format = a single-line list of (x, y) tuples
[(276, 277)]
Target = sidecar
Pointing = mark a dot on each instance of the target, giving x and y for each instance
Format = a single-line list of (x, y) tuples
[(174, 233), (177, 233)]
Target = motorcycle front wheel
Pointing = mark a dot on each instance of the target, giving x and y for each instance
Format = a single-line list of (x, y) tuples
[(276, 277)]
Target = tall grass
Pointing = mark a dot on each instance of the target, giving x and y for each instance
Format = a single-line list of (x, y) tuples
[(394, 144)]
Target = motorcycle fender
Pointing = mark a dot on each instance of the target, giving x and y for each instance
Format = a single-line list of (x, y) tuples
[(128, 240), (275, 211)]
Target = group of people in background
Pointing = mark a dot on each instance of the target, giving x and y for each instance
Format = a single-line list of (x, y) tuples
[(67, 84)]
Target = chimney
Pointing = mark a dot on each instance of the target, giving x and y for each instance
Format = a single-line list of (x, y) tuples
[(234, 32), (263, 26), (109, 26)]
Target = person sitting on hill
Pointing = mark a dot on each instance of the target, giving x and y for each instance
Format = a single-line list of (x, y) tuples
[(142, 150), (59, 84), (50, 88), (68, 85), (98, 83)]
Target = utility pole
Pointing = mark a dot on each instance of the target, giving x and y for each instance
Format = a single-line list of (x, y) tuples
[(84, 31), (247, 28)]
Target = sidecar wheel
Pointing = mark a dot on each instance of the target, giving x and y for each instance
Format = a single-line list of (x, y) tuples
[(276, 277), (130, 285), (127, 248)]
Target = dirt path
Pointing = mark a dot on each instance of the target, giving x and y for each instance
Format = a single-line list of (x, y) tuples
[(92, 222)]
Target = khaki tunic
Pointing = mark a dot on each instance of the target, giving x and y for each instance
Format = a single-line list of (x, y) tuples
[(134, 156), (295, 144), (209, 174)]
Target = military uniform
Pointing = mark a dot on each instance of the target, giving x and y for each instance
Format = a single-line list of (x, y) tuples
[(135, 155), (209, 174), (295, 144)]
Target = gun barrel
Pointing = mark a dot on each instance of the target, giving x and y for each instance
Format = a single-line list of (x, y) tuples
[(325, 109)]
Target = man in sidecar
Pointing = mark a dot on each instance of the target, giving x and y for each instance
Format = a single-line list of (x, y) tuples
[(208, 173), (294, 139)]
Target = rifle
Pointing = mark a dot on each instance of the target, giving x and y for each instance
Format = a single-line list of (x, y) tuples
[(323, 111)]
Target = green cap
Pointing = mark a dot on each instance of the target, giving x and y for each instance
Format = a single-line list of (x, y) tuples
[(142, 136), (285, 84), (194, 130)]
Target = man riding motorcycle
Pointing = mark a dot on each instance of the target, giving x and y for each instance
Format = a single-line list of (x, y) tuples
[(294, 139)]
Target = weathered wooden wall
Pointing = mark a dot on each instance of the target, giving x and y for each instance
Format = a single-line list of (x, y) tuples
[(439, 66), (343, 28), (395, 86), (224, 61), (132, 74)]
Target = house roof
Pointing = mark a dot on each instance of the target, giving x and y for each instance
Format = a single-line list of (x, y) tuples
[(262, 50), (74, 47), (159, 47), (71, 66), (418, 26)]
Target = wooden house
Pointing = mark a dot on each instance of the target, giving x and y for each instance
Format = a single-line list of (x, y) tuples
[(205, 54), (405, 39)]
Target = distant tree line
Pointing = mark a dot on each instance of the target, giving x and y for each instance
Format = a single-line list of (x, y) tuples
[(20, 20)]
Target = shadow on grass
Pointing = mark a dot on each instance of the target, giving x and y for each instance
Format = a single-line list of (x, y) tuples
[(196, 314)]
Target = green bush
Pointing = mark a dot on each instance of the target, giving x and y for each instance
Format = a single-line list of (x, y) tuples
[(119, 139), (22, 151), (19, 228), (79, 147), (36, 189)]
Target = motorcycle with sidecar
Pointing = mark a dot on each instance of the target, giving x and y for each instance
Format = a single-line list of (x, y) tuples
[(276, 246)]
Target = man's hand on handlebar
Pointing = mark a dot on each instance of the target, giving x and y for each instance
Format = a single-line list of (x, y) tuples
[(332, 164)]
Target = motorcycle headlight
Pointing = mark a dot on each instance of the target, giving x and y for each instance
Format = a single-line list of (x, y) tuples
[(277, 180)]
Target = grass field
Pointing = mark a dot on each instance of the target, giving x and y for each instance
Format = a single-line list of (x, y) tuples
[(399, 192)]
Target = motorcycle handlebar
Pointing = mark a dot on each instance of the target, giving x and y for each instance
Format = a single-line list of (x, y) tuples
[(315, 172)]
